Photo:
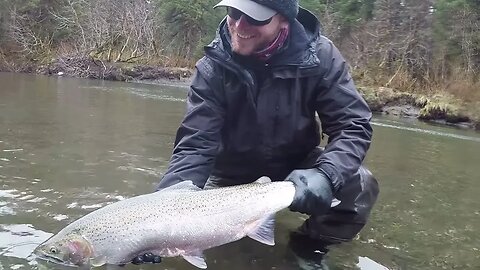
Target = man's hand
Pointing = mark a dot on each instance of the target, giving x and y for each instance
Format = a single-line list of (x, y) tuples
[(147, 258), (313, 191)]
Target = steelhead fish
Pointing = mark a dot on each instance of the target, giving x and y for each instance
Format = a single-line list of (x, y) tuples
[(182, 220)]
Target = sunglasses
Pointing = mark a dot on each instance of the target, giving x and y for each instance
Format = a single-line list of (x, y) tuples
[(236, 14)]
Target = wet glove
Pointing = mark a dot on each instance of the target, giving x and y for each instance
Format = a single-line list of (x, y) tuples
[(313, 191), (147, 258)]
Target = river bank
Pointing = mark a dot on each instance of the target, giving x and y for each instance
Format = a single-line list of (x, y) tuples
[(437, 108)]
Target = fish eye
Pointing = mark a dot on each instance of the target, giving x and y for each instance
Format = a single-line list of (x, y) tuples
[(53, 250)]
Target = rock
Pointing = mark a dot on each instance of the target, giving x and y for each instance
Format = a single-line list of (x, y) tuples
[(409, 111)]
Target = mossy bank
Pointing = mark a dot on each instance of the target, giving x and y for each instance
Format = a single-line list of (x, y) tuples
[(441, 108)]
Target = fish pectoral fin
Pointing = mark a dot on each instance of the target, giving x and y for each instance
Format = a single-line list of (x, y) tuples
[(263, 180), (182, 186), (265, 231), (196, 258), (98, 261)]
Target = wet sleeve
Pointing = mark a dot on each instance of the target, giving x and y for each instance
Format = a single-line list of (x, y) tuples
[(198, 137), (345, 118)]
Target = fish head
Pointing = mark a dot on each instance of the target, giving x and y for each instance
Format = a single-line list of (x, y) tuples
[(72, 250)]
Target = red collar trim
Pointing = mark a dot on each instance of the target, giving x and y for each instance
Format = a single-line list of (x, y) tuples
[(266, 53)]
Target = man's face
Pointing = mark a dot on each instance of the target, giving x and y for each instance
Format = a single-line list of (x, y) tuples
[(248, 38)]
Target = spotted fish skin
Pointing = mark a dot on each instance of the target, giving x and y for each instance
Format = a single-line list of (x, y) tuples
[(182, 220)]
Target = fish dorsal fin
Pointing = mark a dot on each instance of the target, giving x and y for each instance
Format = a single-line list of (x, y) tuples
[(265, 231), (182, 186), (196, 258), (263, 180)]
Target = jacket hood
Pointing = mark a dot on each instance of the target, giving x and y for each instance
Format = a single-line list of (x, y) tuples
[(299, 50)]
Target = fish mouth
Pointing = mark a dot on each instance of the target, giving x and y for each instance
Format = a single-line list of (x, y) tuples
[(51, 259)]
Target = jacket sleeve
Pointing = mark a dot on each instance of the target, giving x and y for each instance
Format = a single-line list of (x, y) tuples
[(198, 137), (344, 116)]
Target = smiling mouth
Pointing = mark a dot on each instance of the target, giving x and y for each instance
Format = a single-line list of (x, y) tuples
[(244, 36)]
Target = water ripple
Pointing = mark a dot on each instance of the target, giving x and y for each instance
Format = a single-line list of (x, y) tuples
[(8, 193), (430, 132), (13, 150), (19, 240), (93, 206), (7, 211)]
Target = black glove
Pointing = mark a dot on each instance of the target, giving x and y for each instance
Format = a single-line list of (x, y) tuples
[(313, 191), (147, 258)]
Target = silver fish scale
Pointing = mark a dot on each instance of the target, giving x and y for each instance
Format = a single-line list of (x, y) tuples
[(176, 222)]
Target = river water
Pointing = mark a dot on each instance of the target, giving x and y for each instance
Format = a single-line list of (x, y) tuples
[(69, 146)]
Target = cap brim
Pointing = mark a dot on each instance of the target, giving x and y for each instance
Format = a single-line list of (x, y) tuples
[(251, 8)]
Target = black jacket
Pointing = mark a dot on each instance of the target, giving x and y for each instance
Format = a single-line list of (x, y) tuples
[(243, 121)]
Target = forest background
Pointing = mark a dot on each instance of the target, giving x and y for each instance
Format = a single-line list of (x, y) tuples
[(420, 54)]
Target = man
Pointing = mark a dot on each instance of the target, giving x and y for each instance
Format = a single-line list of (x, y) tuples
[(251, 112)]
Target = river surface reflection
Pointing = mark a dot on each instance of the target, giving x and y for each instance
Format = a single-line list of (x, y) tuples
[(70, 146)]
